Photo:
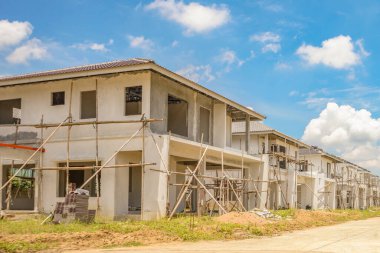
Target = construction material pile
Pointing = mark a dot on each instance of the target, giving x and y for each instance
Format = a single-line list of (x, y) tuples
[(242, 218), (264, 213), (75, 208)]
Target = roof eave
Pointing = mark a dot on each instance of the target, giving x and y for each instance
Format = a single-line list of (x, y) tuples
[(140, 66), (203, 89), (279, 134)]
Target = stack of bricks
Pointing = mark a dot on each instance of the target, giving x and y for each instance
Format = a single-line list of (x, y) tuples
[(75, 207)]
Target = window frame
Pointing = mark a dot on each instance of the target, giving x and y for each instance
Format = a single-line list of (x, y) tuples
[(187, 115), (52, 98), (125, 100), (81, 101), (14, 120)]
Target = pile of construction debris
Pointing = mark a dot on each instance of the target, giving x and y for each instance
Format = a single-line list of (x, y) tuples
[(75, 207), (266, 214)]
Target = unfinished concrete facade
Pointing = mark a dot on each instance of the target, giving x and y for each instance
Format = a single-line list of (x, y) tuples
[(296, 175), (148, 143), (113, 114)]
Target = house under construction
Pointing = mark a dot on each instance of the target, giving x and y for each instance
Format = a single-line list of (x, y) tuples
[(146, 143)]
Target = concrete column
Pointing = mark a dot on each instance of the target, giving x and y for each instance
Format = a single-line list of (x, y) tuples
[(344, 198), (365, 192), (220, 125), (196, 121), (247, 134), (314, 194), (264, 177), (266, 144), (356, 197), (332, 194), (121, 184), (155, 183), (50, 183), (174, 178), (278, 194), (249, 200), (292, 190)]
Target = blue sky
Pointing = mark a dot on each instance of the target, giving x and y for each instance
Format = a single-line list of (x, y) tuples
[(267, 55)]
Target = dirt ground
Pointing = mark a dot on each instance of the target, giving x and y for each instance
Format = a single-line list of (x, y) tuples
[(245, 218), (100, 239), (18, 236), (349, 237)]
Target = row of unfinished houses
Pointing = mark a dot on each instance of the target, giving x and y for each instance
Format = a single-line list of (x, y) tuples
[(147, 143)]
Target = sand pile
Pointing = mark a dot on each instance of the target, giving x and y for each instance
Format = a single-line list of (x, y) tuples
[(243, 218), (316, 215)]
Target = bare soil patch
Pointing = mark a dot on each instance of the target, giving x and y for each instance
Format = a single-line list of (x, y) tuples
[(99, 239), (243, 218)]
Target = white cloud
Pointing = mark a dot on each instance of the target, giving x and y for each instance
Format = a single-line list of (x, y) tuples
[(351, 133), (195, 17), (338, 52), (362, 51), (33, 49), (273, 7), (140, 42), (100, 47), (12, 33), (318, 99), (271, 47), (269, 40), (265, 37), (282, 66), (229, 57), (197, 73)]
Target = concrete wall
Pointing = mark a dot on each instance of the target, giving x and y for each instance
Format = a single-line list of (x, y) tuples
[(161, 87), (111, 96)]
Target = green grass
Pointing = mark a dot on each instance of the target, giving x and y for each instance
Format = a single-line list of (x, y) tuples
[(13, 247), (183, 228)]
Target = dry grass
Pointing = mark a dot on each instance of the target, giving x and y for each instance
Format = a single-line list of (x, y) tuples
[(28, 235)]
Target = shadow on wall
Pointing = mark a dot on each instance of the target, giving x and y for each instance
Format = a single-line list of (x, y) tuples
[(20, 136)]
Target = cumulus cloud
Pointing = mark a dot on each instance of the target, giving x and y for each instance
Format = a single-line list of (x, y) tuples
[(100, 47), (265, 37), (270, 41), (33, 49), (338, 52), (195, 17), (197, 73), (271, 47), (140, 42), (351, 133), (12, 33)]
